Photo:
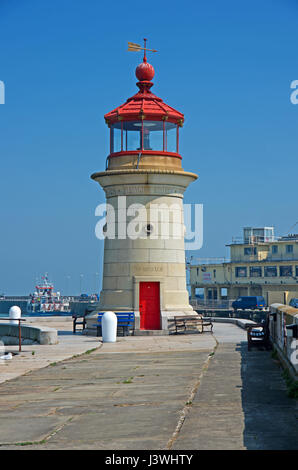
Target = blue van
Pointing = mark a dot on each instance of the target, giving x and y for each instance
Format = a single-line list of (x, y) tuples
[(294, 303), (251, 302)]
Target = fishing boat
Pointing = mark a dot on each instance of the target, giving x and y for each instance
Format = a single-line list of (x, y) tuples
[(45, 301)]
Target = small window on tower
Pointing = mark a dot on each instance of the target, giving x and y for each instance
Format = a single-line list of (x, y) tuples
[(132, 136), (116, 137), (149, 229), (153, 135), (171, 137)]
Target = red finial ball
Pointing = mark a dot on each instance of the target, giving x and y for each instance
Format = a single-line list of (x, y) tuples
[(145, 72)]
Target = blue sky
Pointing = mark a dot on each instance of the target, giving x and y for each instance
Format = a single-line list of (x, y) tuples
[(227, 66)]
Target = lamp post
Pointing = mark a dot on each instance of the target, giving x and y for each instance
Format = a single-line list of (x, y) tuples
[(81, 282), (68, 285), (95, 282)]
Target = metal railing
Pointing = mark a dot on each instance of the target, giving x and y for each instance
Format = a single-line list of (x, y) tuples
[(14, 298), (12, 321), (212, 304), (71, 298), (255, 239), (203, 261), (271, 258)]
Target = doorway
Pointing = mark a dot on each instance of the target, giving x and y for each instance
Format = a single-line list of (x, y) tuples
[(149, 306)]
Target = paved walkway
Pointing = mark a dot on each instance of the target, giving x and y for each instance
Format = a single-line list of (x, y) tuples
[(241, 404), (172, 392), (39, 356)]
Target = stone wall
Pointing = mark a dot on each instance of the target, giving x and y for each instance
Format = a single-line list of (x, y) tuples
[(281, 316), (9, 334)]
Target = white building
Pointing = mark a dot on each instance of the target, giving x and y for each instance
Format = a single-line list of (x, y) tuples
[(260, 264)]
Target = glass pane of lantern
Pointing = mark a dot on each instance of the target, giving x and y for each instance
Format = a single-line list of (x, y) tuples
[(132, 135), (153, 135), (116, 138), (171, 137)]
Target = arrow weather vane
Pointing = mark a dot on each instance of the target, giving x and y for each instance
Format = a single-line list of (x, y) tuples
[(132, 46)]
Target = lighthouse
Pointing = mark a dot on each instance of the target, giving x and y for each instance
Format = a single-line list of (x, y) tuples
[(144, 269)]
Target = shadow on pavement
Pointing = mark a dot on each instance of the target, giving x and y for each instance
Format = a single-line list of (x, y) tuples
[(270, 416), (68, 333)]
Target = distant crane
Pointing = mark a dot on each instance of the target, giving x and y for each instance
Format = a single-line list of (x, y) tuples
[(292, 227)]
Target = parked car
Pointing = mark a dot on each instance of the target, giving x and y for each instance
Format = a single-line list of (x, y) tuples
[(250, 302), (294, 303)]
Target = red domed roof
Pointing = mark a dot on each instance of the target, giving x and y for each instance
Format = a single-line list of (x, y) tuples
[(144, 104)]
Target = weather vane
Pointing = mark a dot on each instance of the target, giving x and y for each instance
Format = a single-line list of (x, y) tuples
[(132, 46)]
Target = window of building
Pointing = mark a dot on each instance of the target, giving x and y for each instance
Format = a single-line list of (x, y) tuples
[(268, 234), (197, 271), (296, 271), (255, 271), (289, 248), (241, 271), (285, 271), (250, 250), (270, 271), (274, 249), (214, 272)]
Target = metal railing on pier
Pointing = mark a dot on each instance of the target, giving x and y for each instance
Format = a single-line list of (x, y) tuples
[(211, 304)]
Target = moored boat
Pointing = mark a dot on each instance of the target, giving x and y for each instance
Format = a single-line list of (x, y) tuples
[(45, 301)]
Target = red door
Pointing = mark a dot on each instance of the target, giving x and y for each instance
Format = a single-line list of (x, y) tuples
[(149, 306)]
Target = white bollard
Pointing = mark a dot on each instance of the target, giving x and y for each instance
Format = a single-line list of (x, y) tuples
[(109, 327), (14, 313)]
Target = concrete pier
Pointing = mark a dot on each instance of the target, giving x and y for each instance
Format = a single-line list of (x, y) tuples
[(198, 391)]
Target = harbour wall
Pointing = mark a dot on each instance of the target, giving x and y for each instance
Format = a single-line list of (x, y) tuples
[(6, 304), (282, 319)]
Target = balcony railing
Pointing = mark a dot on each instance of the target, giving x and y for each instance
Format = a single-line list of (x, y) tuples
[(254, 240), (192, 261), (244, 259), (271, 258)]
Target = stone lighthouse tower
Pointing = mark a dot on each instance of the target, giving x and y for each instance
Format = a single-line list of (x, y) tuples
[(144, 267)]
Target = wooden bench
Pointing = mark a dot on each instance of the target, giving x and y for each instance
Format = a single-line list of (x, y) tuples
[(181, 324), (258, 335), (125, 321), (79, 320)]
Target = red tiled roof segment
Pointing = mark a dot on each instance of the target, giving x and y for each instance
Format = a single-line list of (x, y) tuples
[(144, 105)]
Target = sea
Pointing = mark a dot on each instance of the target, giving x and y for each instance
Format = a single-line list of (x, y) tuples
[(6, 304), (47, 314)]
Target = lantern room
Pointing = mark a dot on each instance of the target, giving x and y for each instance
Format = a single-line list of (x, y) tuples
[(144, 125)]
